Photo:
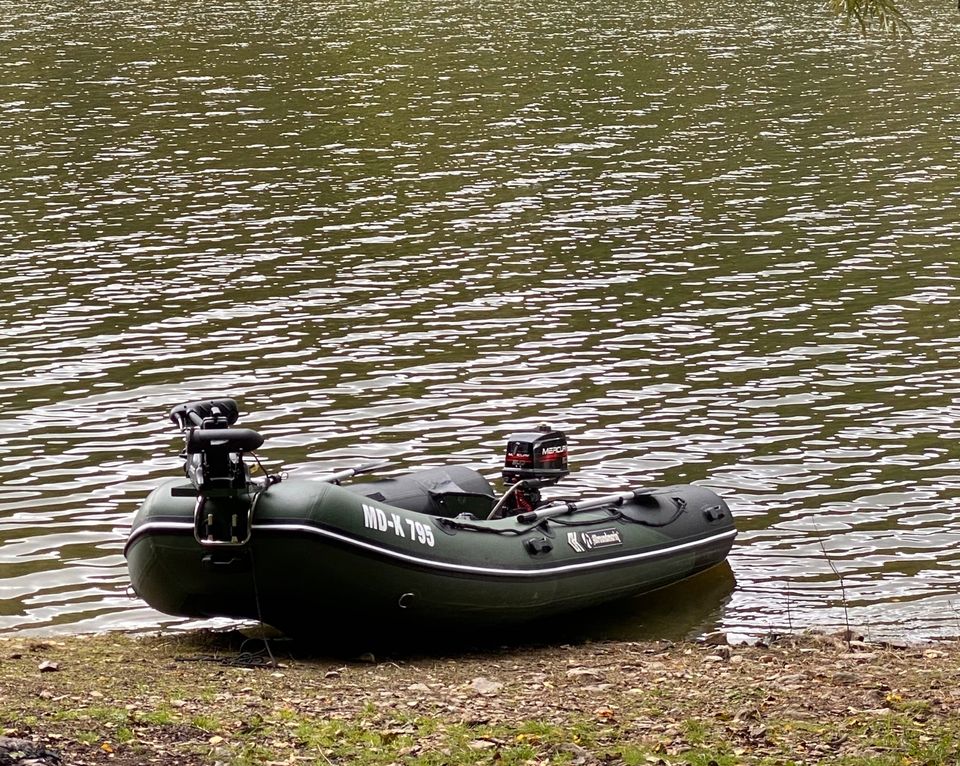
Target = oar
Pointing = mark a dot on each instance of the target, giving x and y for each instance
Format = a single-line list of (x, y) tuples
[(346, 473), (561, 508)]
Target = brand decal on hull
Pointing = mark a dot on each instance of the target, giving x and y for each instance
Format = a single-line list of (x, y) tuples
[(599, 538)]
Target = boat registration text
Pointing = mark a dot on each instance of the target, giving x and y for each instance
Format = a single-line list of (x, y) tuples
[(378, 519)]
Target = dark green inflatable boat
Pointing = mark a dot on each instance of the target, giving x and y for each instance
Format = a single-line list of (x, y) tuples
[(429, 549)]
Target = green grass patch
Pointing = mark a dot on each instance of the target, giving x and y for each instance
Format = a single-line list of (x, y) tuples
[(162, 716), (205, 723)]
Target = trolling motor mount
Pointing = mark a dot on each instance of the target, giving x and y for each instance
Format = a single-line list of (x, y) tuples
[(214, 464)]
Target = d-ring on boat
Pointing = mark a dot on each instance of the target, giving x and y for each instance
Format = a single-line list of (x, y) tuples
[(427, 549)]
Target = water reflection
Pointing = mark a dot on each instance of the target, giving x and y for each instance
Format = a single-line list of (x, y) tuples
[(710, 247)]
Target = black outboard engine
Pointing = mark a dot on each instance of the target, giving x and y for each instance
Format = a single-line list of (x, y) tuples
[(533, 459)]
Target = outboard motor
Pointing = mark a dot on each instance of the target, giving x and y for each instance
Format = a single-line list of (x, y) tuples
[(533, 459)]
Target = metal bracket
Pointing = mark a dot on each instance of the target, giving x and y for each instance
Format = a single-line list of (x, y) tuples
[(203, 527)]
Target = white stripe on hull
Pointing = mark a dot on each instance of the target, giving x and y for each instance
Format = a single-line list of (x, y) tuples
[(173, 526)]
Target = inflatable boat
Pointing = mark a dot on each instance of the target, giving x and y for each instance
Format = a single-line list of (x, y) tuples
[(431, 549)]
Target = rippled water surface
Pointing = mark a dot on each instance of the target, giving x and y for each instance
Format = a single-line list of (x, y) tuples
[(713, 243)]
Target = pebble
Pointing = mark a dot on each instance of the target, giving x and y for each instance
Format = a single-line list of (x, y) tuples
[(717, 638), (485, 686)]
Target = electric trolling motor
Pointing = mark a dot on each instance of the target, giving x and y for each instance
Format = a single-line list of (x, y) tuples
[(213, 449)]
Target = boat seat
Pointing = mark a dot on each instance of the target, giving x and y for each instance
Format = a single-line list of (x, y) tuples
[(447, 491), (454, 504)]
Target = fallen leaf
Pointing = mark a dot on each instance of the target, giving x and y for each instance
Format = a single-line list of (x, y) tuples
[(481, 744)]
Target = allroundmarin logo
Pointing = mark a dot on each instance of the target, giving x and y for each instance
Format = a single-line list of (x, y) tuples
[(600, 538)]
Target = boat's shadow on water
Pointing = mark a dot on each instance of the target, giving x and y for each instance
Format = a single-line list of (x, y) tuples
[(683, 610), (678, 611)]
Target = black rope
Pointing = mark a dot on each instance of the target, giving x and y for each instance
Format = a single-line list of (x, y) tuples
[(681, 507), (615, 515), (459, 525), (241, 660)]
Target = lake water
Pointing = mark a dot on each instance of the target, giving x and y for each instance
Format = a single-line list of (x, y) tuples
[(714, 243)]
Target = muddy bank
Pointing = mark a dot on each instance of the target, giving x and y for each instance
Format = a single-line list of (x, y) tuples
[(217, 699)]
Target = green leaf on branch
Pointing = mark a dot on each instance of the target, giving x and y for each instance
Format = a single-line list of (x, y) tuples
[(882, 14)]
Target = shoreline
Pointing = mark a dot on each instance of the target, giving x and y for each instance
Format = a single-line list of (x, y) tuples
[(205, 698)]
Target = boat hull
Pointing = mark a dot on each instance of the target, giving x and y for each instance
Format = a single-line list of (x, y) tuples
[(323, 560)]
